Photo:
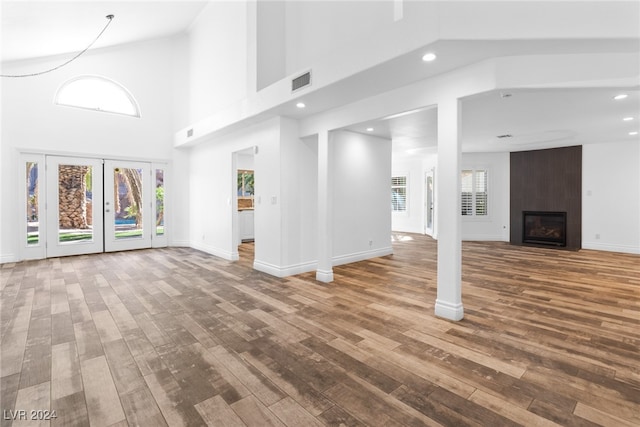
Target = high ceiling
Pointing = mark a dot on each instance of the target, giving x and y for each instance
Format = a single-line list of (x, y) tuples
[(31, 29), (539, 118)]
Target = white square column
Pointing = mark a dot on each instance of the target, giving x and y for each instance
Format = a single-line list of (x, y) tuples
[(449, 292), (324, 272)]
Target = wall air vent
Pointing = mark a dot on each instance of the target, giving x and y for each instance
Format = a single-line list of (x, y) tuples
[(301, 81), (506, 135)]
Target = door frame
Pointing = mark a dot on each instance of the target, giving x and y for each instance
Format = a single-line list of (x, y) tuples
[(111, 242), (430, 203), (39, 251), (53, 246)]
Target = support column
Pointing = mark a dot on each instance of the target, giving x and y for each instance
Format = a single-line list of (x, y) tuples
[(324, 272), (449, 295)]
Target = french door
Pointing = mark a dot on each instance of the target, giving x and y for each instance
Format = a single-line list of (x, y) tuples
[(429, 203), (74, 195), (86, 205), (127, 205)]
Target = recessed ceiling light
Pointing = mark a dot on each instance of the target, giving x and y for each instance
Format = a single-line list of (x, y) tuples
[(633, 133), (300, 105), (621, 96), (369, 129), (628, 119), (428, 57)]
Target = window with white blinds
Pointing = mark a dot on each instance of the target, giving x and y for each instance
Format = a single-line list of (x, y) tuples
[(474, 192), (399, 194)]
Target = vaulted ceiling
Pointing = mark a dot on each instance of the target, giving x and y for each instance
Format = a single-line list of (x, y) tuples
[(533, 118)]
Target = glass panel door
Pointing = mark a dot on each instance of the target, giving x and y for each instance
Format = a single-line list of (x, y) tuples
[(32, 201), (128, 209), (73, 228), (429, 202), (160, 231), (32, 193), (159, 193)]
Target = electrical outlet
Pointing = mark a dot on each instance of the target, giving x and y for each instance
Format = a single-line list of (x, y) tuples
[(370, 242), (597, 236)]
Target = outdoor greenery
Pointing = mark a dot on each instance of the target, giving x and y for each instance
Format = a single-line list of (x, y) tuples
[(132, 179), (34, 239)]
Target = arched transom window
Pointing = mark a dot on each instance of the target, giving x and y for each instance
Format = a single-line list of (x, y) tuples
[(97, 93)]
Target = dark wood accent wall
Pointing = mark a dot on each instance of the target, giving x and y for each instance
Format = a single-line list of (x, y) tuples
[(547, 180)]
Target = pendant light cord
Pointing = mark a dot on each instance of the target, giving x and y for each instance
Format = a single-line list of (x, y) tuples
[(109, 17)]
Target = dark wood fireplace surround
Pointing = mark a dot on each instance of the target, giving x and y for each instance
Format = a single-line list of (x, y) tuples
[(547, 182)]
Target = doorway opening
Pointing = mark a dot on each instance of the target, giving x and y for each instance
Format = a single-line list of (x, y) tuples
[(244, 203)]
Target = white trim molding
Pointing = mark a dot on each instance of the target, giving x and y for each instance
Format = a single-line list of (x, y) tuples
[(361, 256), (285, 271), (211, 250), (448, 310)]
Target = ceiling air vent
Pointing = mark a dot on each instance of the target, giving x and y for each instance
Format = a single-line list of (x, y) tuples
[(506, 135), (301, 81)]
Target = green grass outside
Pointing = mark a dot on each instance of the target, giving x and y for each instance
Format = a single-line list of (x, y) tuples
[(130, 233), (74, 237)]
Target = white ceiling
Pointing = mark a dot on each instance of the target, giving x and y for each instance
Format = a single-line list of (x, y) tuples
[(31, 29), (541, 118), (535, 119)]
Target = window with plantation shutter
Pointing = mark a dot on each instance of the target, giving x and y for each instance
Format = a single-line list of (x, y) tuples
[(474, 195), (399, 194)]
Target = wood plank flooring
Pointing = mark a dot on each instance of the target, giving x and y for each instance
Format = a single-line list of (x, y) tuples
[(180, 338)]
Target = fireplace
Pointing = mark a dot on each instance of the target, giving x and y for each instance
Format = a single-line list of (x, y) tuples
[(544, 228)]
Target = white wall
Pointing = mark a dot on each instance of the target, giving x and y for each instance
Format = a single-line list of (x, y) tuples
[(270, 43), (213, 183), (411, 221), (611, 197), (319, 31), (285, 214), (218, 52), (286, 197), (31, 122), (464, 20), (178, 196), (361, 168), (299, 221), (496, 225), (245, 162)]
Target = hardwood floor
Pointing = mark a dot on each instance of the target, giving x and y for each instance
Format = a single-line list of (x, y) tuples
[(177, 337)]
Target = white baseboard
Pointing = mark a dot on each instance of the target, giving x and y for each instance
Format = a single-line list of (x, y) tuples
[(212, 250), (7, 258), (448, 310), (607, 247), (180, 244), (484, 238), (361, 256), (324, 276), (285, 271)]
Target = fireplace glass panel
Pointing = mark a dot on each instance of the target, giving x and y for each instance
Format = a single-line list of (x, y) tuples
[(545, 228)]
